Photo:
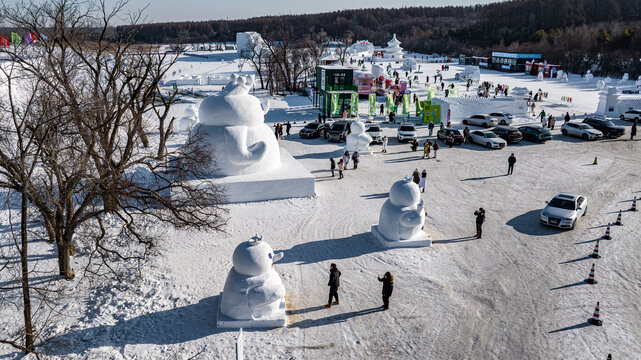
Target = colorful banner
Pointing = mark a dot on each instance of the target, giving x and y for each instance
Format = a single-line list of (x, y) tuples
[(16, 39), (389, 103), (431, 93), (354, 105), (372, 104), (335, 110), (454, 92), (420, 105), (406, 104), (432, 113)]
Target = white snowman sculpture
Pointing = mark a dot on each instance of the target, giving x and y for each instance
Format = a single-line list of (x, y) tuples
[(233, 122), (253, 290), (189, 119), (358, 139), (402, 216)]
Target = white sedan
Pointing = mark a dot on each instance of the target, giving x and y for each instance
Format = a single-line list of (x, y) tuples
[(634, 114), (487, 139), (483, 120), (503, 117), (581, 130)]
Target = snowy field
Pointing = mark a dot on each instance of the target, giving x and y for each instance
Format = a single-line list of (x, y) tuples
[(517, 293)]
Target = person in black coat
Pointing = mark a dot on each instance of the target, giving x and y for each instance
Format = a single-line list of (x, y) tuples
[(332, 165), (480, 218), (334, 283), (288, 127), (388, 288), (510, 164)]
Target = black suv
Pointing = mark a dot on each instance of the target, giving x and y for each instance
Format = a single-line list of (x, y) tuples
[(508, 133), (443, 134), (339, 131), (606, 126), (314, 130)]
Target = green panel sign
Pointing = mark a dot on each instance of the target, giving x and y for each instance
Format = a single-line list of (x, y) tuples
[(432, 113), (420, 105), (454, 92), (372, 104), (335, 109), (406, 104), (354, 105), (389, 103)]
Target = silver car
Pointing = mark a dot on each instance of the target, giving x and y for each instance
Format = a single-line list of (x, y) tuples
[(375, 132), (503, 117), (634, 114), (564, 210), (581, 130), (483, 120)]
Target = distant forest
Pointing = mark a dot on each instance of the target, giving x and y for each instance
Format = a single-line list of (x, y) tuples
[(599, 35)]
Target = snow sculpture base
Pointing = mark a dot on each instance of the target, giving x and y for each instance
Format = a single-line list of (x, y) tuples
[(289, 180), (419, 240), (276, 321)]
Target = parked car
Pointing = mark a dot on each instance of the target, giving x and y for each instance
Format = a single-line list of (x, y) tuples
[(535, 133), (487, 139), (339, 131), (480, 120), (406, 131), (508, 133), (444, 134), (375, 132), (564, 210), (634, 114), (503, 117), (581, 130), (605, 126), (314, 130)]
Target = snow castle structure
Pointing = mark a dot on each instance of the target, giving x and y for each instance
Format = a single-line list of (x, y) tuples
[(358, 139), (248, 163), (393, 49), (253, 295), (402, 216), (613, 102)]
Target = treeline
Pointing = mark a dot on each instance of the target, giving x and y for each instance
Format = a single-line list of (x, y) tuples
[(599, 35)]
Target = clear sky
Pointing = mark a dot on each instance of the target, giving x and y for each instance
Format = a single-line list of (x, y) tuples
[(198, 10)]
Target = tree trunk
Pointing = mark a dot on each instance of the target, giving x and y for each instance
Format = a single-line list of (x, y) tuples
[(64, 257), (26, 297)]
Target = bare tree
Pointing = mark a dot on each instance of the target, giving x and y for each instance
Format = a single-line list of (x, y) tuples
[(103, 90), (257, 55)]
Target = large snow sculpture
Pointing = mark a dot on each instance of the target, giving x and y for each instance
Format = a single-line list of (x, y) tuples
[(358, 139), (233, 122), (189, 119), (402, 216), (253, 295), (588, 76), (600, 84)]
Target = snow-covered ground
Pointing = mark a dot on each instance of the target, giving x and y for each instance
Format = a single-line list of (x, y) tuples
[(517, 293)]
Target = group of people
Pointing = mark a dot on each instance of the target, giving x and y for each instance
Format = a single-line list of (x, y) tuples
[(420, 179), (278, 129), (343, 162), (335, 282)]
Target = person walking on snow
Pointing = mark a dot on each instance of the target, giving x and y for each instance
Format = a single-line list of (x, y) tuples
[(466, 135), (385, 144), (510, 164), (552, 122), (341, 167), (332, 165), (566, 117), (288, 127), (355, 159), (426, 149), (633, 131), (416, 176), (480, 218), (423, 181), (346, 159), (430, 127), (542, 116), (436, 147), (388, 288), (334, 283), (382, 109)]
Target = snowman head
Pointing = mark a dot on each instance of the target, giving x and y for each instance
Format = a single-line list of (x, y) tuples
[(357, 127), (254, 257), (234, 106), (404, 192)]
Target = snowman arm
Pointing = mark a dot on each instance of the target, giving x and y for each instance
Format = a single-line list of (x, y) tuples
[(264, 294), (410, 218), (236, 138)]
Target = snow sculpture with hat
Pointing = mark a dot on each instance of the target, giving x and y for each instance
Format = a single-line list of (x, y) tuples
[(358, 139), (253, 293), (234, 123), (402, 216)]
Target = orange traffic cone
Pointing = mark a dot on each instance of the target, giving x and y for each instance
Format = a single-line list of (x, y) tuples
[(618, 219), (634, 204), (607, 233), (590, 279), (595, 253), (595, 320)]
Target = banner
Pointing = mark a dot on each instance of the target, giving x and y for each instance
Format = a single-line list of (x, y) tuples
[(454, 92), (420, 107), (431, 93), (335, 109), (406, 105), (432, 113), (16, 39), (372, 104), (354, 105), (388, 104)]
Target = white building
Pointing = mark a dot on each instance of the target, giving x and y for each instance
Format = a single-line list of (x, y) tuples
[(613, 102), (393, 49), (244, 42)]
